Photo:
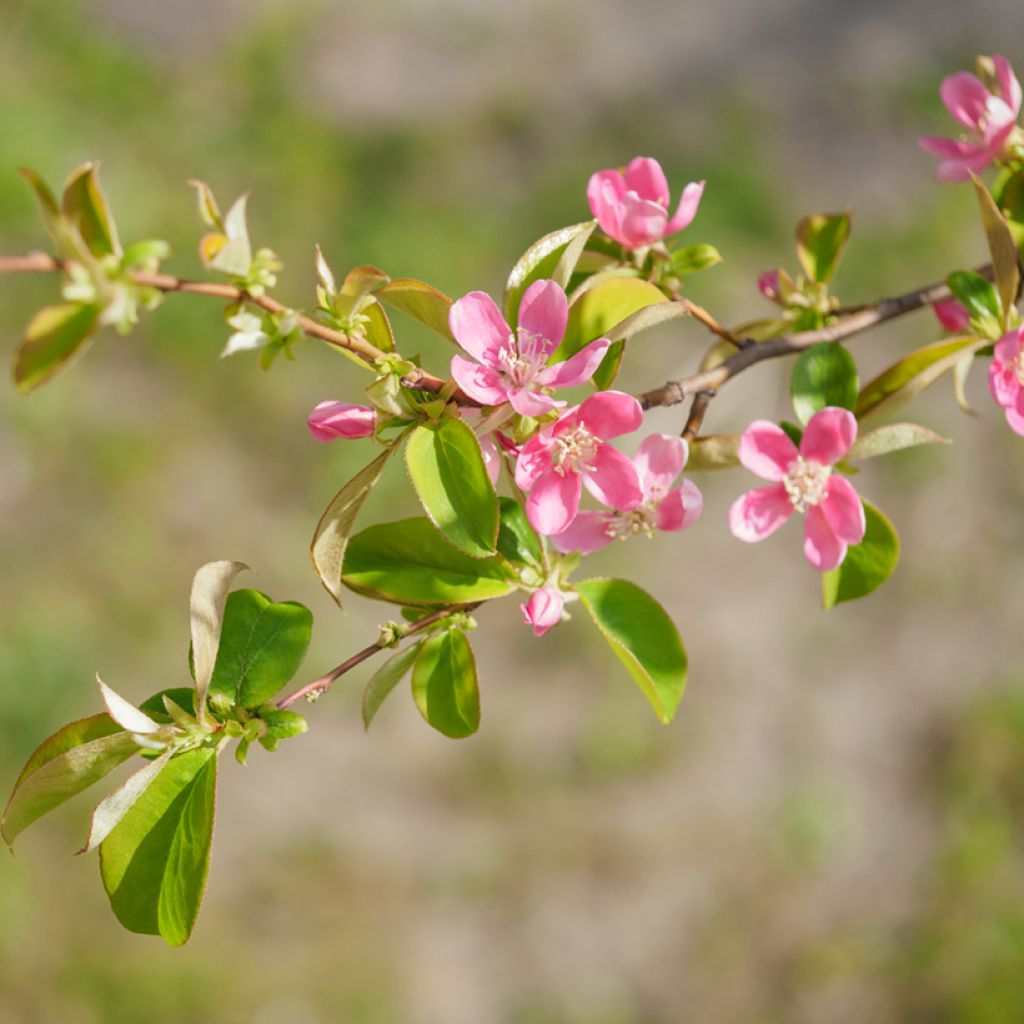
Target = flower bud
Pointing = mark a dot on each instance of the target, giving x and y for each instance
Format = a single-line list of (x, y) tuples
[(543, 610), (330, 420)]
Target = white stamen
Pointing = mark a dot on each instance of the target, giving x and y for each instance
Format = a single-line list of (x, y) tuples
[(806, 483), (574, 451)]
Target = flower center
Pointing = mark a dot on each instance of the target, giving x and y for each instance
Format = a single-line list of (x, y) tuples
[(806, 483), (624, 525), (524, 356), (574, 451)]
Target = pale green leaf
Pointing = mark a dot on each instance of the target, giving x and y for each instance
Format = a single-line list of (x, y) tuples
[(892, 438), (56, 336), (553, 257), (444, 684), (386, 678)]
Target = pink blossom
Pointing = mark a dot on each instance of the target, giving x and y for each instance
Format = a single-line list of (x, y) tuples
[(1006, 377), (803, 481), (768, 285), (989, 117), (632, 206), (331, 420), (952, 315), (658, 462), (511, 366), (543, 610), (562, 457)]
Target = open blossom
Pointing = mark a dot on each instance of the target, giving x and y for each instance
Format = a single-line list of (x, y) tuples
[(633, 206), (952, 315), (543, 610), (563, 457), (512, 366), (659, 460), (1006, 377), (331, 420), (802, 481), (988, 115)]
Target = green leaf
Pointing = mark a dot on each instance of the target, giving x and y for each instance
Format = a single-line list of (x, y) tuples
[(53, 220), (820, 241), (976, 293), (282, 724), (692, 258), (1001, 246), (386, 678), (69, 761), (552, 257), (55, 337), (892, 438), (183, 696), (409, 562), (85, 206), (155, 862), (447, 470), (377, 329), (517, 540), (444, 684), (332, 533), (912, 374), (867, 565), (262, 644), (643, 638), (421, 301), (714, 451), (824, 375), (1008, 193)]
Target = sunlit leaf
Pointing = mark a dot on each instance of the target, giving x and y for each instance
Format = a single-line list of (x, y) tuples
[(820, 241), (867, 565), (892, 438), (824, 375), (444, 684), (421, 301), (1001, 246), (552, 257), (385, 679), (85, 205), (55, 337)]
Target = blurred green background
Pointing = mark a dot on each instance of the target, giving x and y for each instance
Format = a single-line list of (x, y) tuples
[(831, 830)]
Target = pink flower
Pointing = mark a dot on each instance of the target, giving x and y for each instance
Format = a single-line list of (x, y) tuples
[(989, 117), (330, 420), (1006, 378), (512, 366), (562, 457), (543, 610), (658, 462), (632, 207), (952, 315), (768, 285), (803, 482)]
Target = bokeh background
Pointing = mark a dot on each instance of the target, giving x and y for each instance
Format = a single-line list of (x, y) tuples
[(831, 830)]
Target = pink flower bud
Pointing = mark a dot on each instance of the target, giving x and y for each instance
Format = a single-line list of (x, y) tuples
[(952, 315), (543, 610), (768, 285), (330, 420)]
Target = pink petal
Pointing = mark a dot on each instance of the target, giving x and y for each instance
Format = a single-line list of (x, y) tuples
[(948, 147), (479, 382), (828, 435), (610, 414), (576, 369), (586, 533), (844, 510), (952, 315), (332, 420), (1009, 345), (479, 327), (1016, 421), (643, 222), (759, 513), (543, 610), (824, 550), (544, 311), (645, 177), (604, 193), (1008, 84), (965, 97), (765, 449), (492, 460), (768, 285), (681, 507), (554, 501), (534, 459), (659, 460), (530, 403), (1003, 384), (687, 208), (613, 480)]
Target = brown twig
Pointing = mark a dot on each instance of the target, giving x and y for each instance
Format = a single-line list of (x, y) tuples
[(695, 420)]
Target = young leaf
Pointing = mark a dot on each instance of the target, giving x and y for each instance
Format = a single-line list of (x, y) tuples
[(409, 562), (335, 527), (55, 337), (262, 645), (643, 638), (820, 241), (892, 438), (444, 684), (824, 375), (56, 226), (111, 809), (85, 206), (386, 678), (866, 566), (1001, 246), (976, 293), (517, 540), (126, 715), (68, 762), (1008, 192), (693, 258), (210, 587), (155, 862), (447, 470), (183, 696), (552, 257), (421, 301), (714, 451)]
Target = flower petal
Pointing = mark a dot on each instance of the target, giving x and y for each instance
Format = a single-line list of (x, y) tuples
[(659, 460), (586, 533), (1008, 84), (1009, 345), (543, 610), (576, 369), (952, 315), (765, 449), (759, 513), (479, 327), (604, 193), (609, 414), (331, 420), (534, 459), (645, 177), (492, 460), (1016, 421), (643, 222), (824, 550), (1003, 384), (828, 435), (681, 507), (687, 208), (844, 510), (965, 97), (531, 403), (544, 311), (613, 479), (479, 382), (553, 501)]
